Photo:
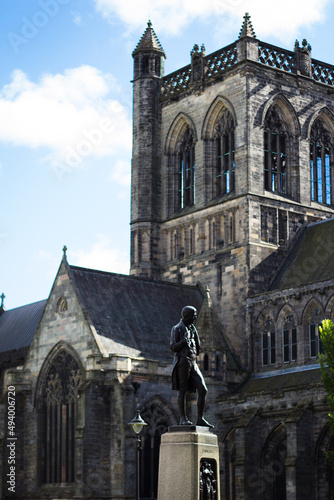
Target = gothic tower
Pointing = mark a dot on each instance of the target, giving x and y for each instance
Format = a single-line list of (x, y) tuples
[(145, 208), (231, 158)]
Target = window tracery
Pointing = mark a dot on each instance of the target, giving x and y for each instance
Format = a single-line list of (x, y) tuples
[(268, 342), (158, 423), (186, 170), (314, 321), (321, 164), (275, 149), (225, 164), (289, 339), (60, 397)]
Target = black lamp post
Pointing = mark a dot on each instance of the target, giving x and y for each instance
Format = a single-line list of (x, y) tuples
[(137, 425)]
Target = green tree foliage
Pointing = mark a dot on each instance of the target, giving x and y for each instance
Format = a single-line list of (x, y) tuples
[(327, 372)]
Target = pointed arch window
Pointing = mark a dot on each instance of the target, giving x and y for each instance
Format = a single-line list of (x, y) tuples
[(316, 346), (268, 342), (289, 340), (274, 459), (158, 423), (275, 153), (60, 398), (186, 170), (321, 151), (62, 305), (225, 163)]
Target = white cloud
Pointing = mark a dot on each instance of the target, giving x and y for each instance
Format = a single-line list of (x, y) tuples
[(77, 18), (73, 115), (121, 173), (102, 255), (171, 16)]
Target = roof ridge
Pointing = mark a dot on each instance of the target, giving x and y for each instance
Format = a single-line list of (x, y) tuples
[(131, 276), (26, 305)]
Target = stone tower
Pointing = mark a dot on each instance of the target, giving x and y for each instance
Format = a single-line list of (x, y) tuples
[(145, 192), (224, 150)]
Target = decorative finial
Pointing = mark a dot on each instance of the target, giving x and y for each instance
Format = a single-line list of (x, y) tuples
[(2, 297), (207, 294), (149, 24), (247, 29), (64, 251)]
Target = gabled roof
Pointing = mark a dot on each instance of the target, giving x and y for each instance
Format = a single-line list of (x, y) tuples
[(149, 41), (311, 259), (18, 326), (133, 316)]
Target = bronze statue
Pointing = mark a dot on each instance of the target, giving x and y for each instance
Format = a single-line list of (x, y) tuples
[(186, 375), (207, 482)]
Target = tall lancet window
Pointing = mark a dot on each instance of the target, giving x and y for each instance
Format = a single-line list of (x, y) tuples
[(225, 165), (186, 170), (275, 153), (158, 423), (60, 396), (320, 163)]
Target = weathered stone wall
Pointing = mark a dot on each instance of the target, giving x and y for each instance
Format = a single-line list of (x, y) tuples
[(264, 222), (251, 426), (299, 303)]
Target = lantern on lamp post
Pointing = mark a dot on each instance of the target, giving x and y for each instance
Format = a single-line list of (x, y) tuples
[(137, 424)]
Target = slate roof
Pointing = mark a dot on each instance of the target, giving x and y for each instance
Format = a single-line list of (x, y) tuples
[(149, 41), (18, 326), (133, 316), (279, 383), (311, 259)]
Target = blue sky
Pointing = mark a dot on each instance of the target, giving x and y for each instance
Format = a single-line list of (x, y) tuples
[(65, 117)]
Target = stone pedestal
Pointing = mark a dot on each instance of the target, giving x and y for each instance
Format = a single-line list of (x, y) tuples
[(189, 464)]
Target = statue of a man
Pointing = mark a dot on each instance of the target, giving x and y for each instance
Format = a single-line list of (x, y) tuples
[(186, 375)]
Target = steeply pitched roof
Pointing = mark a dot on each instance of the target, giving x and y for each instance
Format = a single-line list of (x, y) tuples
[(18, 326), (149, 41), (133, 316), (311, 260)]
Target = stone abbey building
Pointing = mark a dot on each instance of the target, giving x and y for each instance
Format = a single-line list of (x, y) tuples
[(232, 211)]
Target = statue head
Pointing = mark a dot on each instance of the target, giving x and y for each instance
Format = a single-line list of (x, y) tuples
[(189, 315)]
